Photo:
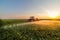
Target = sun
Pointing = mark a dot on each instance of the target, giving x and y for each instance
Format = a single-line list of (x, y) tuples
[(53, 14)]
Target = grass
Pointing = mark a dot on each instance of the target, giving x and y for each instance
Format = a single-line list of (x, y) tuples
[(14, 21), (30, 32)]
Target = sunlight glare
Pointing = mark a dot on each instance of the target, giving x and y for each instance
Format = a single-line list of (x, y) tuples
[(53, 14)]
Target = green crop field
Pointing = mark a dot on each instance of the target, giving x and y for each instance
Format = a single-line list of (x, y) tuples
[(13, 21), (31, 32)]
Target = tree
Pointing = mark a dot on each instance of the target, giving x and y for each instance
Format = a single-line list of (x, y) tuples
[(1, 23), (32, 18), (37, 19)]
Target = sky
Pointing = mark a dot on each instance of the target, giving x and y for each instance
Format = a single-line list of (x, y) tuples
[(19, 9)]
